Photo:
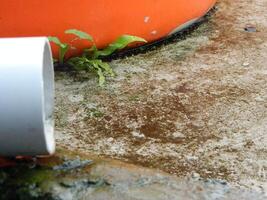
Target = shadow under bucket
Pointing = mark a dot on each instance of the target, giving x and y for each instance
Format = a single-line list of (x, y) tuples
[(26, 97)]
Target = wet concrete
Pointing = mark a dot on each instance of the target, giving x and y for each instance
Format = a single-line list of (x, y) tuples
[(71, 176)]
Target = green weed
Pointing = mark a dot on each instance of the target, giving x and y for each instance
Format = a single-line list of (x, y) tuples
[(63, 48), (90, 60)]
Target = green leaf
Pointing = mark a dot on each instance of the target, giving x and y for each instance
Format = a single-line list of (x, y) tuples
[(80, 34), (101, 77), (62, 52), (90, 52), (105, 66), (55, 40), (122, 42), (79, 63), (63, 48)]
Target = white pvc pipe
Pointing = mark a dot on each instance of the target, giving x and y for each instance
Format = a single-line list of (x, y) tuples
[(26, 97)]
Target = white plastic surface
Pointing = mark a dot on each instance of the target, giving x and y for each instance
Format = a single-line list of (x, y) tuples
[(26, 97)]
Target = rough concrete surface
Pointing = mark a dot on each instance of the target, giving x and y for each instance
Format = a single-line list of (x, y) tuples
[(195, 107), (73, 177)]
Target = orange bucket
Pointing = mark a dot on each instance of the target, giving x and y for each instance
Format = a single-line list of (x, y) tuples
[(105, 20)]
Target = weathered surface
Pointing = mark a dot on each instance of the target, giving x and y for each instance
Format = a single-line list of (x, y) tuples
[(199, 105), (77, 178), (195, 108)]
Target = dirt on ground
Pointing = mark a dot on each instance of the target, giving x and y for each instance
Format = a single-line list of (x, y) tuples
[(195, 107)]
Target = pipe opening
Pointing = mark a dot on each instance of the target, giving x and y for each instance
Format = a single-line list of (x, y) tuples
[(48, 87)]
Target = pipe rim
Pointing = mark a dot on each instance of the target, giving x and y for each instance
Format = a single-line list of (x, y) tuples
[(48, 97)]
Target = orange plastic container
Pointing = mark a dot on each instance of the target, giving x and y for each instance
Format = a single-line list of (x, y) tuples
[(105, 20)]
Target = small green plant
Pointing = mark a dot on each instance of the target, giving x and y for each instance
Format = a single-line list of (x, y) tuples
[(91, 58), (63, 48), (80, 34)]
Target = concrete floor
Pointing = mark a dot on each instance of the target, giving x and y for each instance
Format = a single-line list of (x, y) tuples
[(197, 107)]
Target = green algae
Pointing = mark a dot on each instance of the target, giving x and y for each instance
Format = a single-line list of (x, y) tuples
[(34, 179), (22, 182)]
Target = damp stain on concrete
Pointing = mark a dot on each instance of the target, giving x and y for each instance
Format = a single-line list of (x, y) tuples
[(68, 175)]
